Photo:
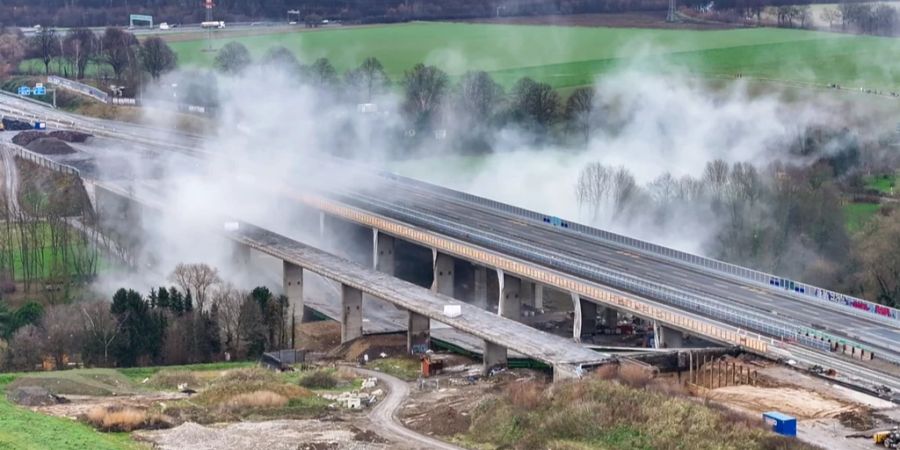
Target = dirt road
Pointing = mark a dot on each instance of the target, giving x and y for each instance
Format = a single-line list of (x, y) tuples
[(384, 414)]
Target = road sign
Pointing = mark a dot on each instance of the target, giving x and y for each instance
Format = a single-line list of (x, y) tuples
[(39, 90), (24, 90)]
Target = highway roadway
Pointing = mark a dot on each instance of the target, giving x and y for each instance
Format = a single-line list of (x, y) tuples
[(478, 219), (386, 197)]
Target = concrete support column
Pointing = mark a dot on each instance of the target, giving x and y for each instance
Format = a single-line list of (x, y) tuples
[(610, 318), (526, 292), (494, 355), (588, 317), (665, 337), (351, 317), (418, 334), (322, 220), (481, 291), (443, 274), (577, 319), (538, 296), (240, 254), (510, 305), (383, 250), (292, 286)]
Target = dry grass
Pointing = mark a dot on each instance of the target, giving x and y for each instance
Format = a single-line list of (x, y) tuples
[(245, 381), (248, 375), (114, 419), (610, 413), (257, 400)]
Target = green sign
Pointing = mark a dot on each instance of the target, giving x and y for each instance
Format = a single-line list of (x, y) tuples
[(140, 18)]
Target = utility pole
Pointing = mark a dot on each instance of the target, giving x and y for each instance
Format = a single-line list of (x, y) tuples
[(209, 17), (670, 16)]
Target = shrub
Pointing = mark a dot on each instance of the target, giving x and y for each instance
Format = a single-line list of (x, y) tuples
[(171, 379), (248, 375), (319, 379), (526, 394), (125, 419), (256, 400)]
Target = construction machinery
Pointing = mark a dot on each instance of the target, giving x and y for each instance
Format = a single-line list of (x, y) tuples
[(888, 439)]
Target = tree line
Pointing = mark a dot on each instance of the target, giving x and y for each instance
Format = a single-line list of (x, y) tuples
[(199, 319), (99, 13), (782, 218), (468, 110)]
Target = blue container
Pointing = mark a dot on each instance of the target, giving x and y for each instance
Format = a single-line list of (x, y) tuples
[(782, 424)]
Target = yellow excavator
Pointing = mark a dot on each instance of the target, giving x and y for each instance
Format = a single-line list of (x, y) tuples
[(888, 439)]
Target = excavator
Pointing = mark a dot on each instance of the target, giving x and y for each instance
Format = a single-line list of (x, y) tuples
[(888, 439)]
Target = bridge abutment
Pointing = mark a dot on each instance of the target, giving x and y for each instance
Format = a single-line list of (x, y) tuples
[(351, 313)]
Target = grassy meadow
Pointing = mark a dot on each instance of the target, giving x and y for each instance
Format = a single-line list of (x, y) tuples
[(573, 56)]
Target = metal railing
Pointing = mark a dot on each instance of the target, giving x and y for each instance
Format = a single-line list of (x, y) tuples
[(80, 88), (773, 282)]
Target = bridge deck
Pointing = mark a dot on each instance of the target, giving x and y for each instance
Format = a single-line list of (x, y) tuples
[(548, 348)]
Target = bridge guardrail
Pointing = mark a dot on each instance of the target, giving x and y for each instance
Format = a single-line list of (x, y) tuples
[(748, 320), (770, 281), (82, 88)]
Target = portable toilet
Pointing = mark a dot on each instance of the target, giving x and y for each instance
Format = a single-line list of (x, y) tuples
[(782, 424)]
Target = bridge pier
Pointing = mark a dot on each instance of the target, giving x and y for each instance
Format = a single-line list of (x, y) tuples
[(584, 319), (494, 355), (480, 288), (351, 316), (443, 274), (538, 296), (665, 337), (510, 305), (292, 286), (610, 318), (418, 334), (383, 257), (240, 254)]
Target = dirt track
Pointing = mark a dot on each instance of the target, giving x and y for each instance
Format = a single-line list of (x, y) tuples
[(645, 19), (384, 414)]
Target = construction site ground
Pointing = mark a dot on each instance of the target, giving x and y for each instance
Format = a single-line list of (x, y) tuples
[(828, 415)]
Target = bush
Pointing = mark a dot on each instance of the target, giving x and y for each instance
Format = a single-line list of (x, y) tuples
[(171, 379), (248, 375), (319, 379), (256, 400)]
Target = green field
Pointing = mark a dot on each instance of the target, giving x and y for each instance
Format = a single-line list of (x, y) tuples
[(882, 183), (23, 429), (857, 215), (572, 56)]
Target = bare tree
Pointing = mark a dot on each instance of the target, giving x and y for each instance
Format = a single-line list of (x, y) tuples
[(196, 278), (63, 335), (117, 49), (579, 110), (368, 80), (79, 47), (477, 96), (156, 57), (879, 255), (46, 45), (26, 348), (12, 50), (535, 104), (101, 329), (830, 15), (230, 301), (603, 189), (425, 87), (233, 58), (322, 74)]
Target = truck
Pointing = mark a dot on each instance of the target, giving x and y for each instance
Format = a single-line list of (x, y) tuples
[(164, 26), (213, 24)]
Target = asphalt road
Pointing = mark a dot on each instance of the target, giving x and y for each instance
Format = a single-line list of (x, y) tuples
[(384, 414)]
